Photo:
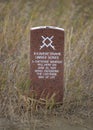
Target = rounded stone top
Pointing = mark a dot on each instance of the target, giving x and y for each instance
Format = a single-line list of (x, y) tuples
[(45, 27)]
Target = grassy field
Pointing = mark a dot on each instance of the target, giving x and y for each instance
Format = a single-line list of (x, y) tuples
[(16, 19)]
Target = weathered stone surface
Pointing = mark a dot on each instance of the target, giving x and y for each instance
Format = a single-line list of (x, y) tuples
[(47, 62)]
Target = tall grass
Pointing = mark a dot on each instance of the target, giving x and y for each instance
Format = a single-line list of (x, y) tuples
[(16, 18)]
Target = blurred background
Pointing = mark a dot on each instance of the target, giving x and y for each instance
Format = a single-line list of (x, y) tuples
[(76, 17)]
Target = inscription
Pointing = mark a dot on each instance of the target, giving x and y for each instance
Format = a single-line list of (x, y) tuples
[(47, 64)]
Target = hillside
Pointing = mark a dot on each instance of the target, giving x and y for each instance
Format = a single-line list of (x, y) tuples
[(76, 17)]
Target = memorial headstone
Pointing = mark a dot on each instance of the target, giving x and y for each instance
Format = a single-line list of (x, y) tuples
[(47, 62)]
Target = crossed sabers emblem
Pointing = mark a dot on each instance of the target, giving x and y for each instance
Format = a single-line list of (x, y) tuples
[(45, 44)]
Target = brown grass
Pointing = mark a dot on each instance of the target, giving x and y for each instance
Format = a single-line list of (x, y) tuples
[(16, 18)]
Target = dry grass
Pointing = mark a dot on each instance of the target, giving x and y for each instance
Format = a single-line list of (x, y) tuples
[(16, 18)]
